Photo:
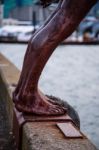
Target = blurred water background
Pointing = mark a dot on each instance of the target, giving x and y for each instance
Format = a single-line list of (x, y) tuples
[(72, 73)]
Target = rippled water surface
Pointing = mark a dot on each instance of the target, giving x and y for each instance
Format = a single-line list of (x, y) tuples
[(72, 73)]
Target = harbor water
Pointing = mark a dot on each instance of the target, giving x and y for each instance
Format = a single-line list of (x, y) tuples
[(72, 73)]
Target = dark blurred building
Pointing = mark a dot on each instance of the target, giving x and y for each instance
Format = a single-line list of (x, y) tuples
[(1, 12), (18, 9), (23, 10)]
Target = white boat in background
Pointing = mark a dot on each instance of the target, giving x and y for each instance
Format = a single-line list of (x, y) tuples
[(17, 32)]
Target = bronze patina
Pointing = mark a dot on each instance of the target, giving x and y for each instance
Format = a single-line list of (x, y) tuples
[(63, 21)]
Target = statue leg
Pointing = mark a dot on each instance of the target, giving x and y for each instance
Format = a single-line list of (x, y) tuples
[(63, 23), (25, 69)]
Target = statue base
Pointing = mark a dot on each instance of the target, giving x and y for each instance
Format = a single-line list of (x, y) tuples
[(19, 119)]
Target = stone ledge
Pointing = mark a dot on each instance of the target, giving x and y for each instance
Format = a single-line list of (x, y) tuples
[(44, 136), (36, 136)]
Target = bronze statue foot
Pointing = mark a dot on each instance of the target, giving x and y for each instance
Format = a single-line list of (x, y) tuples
[(39, 105), (63, 22)]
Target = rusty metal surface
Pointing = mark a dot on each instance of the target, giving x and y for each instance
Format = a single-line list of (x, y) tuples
[(18, 121), (35, 118), (69, 130)]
